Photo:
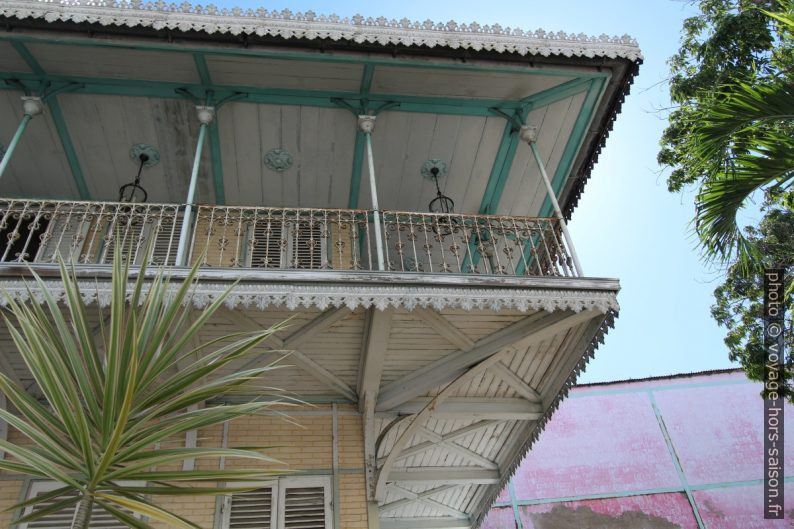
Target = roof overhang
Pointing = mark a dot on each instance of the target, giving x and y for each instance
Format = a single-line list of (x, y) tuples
[(445, 80)]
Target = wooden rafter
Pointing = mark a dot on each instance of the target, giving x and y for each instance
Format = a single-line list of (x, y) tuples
[(539, 326), (514, 381), (409, 497), (300, 359), (461, 408), (455, 448), (451, 436)]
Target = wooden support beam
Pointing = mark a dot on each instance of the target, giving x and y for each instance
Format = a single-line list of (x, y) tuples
[(514, 381), (503, 409), (3, 424), (191, 438), (450, 475), (316, 326), (410, 497), (444, 328), (300, 359), (463, 452), (370, 446), (373, 353), (425, 523), (563, 367), (537, 327), (420, 418), (451, 436)]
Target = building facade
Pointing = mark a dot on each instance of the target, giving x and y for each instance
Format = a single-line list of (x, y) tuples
[(678, 452), (398, 189)]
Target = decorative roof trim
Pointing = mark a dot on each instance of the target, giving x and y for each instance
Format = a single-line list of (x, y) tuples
[(262, 22), (570, 382), (264, 295)]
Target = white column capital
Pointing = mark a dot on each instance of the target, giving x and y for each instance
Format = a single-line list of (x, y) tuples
[(528, 133), (366, 123), (206, 114), (32, 105)]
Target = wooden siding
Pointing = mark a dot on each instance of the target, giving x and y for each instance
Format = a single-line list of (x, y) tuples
[(320, 140), (428, 82), (286, 74), (87, 61), (104, 128)]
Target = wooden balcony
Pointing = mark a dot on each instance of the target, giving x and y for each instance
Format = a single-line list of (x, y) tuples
[(90, 233)]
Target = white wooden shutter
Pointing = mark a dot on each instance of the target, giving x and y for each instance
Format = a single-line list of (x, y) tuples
[(127, 238), (255, 509), (166, 240), (305, 503), (308, 245), (63, 518), (287, 244), (66, 236), (290, 503), (269, 245)]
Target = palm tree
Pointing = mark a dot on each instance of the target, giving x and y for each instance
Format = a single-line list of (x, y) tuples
[(111, 392), (743, 142)]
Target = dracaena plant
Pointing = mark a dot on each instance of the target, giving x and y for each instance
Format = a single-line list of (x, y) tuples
[(109, 393)]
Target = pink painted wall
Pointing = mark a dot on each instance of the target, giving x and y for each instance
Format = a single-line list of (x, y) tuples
[(603, 460)]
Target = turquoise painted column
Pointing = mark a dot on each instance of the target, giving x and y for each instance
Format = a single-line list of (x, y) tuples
[(367, 124), (206, 115), (32, 106), (529, 135)]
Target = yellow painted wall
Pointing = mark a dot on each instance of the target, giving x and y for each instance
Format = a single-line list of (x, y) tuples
[(304, 442)]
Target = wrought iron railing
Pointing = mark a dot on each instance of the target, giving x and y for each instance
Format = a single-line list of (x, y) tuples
[(281, 238), (479, 244)]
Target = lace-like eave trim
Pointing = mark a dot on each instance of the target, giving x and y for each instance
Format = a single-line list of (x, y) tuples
[(262, 22)]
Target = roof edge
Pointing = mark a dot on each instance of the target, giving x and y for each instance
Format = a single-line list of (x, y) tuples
[(570, 382), (672, 376), (289, 25)]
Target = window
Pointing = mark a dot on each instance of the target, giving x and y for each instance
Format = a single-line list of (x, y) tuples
[(287, 243), (135, 237), (289, 503), (63, 519)]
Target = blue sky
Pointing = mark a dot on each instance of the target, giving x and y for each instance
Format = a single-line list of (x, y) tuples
[(627, 225)]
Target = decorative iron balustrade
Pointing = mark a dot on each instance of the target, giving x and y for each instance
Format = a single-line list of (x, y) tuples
[(37, 231)]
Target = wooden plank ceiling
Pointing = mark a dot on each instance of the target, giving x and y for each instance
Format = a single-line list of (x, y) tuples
[(320, 135), (403, 359)]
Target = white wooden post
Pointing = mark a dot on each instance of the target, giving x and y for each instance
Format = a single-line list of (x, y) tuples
[(205, 116), (31, 106), (529, 135), (367, 124), (3, 424)]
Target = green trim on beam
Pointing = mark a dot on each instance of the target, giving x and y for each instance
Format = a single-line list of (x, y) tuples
[(326, 56), (28, 57), (214, 134), (201, 67), (68, 148), (504, 160), (501, 167), (59, 121), (574, 145), (569, 154), (167, 90), (557, 93), (355, 177), (360, 143), (217, 166)]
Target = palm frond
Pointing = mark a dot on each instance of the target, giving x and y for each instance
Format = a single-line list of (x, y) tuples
[(115, 390)]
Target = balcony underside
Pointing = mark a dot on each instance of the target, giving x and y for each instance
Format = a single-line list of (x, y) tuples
[(455, 375)]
